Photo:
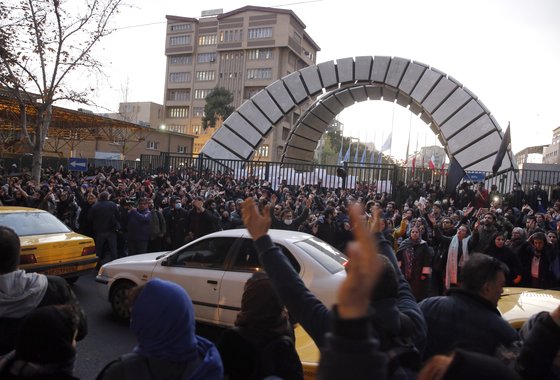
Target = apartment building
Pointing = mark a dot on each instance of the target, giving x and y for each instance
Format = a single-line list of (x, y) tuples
[(243, 51)]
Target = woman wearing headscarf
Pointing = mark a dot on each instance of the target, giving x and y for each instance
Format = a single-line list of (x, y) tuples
[(162, 320), (262, 342), (414, 257), (500, 251), (45, 347)]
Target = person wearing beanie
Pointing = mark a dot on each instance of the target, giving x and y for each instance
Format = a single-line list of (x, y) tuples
[(162, 320), (45, 348)]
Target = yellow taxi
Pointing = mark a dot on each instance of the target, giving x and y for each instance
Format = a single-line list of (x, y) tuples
[(308, 353), (519, 304), (47, 245), (516, 305)]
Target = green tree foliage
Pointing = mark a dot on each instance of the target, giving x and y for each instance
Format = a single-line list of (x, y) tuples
[(46, 52), (218, 105)]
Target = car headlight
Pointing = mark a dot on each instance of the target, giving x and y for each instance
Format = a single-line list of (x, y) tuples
[(101, 272)]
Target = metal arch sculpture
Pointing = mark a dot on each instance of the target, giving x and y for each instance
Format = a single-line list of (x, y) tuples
[(463, 125)]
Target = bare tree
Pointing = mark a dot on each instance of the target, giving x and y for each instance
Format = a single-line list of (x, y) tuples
[(42, 44)]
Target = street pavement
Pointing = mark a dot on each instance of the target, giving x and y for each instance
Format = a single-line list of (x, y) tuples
[(108, 337)]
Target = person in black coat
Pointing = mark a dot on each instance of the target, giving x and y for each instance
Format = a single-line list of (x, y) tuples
[(468, 316), (535, 264), (104, 217), (21, 293), (500, 251), (45, 348)]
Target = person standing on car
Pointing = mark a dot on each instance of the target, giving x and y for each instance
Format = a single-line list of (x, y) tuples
[(21, 293), (139, 228), (104, 216)]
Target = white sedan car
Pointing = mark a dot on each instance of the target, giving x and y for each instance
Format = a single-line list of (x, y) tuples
[(214, 269)]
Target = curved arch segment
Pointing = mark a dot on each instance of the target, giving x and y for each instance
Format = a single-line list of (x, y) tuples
[(463, 125)]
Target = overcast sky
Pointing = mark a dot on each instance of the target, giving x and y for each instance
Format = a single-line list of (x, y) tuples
[(507, 52)]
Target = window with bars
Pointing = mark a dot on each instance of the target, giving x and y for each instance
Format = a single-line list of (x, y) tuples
[(208, 39), (263, 151), (196, 128), (178, 95), (259, 54), (231, 35), (180, 40), (177, 27), (263, 73), (181, 149), (180, 77), (259, 33), (198, 111), (183, 59), (179, 128), (177, 112), (201, 93), (206, 57), (205, 75)]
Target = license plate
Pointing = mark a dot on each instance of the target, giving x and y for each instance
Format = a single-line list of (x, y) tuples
[(61, 270)]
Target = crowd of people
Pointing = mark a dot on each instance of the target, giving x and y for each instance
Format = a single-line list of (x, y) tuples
[(426, 271)]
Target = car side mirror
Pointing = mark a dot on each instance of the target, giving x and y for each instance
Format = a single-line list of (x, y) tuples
[(165, 262)]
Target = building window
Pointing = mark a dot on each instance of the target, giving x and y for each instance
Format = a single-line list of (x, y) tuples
[(177, 128), (231, 35), (285, 133), (178, 95), (183, 59), (265, 73), (179, 77), (205, 75), (259, 33), (308, 54), (198, 112), (209, 39), (206, 57), (177, 112), (201, 94), (180, 40), (196, 128), (181, 149), (263, 151), (152, 145), (259, 54), (177, 27), (297, 37)]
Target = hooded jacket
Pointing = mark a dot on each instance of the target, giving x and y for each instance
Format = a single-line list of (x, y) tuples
[(162, 320), (21, 293)]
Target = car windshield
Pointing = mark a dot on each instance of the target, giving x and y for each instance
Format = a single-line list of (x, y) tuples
[(33, 223), (325, 254)]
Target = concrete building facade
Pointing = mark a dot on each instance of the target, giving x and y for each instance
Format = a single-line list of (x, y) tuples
[(551, 153), (242, 51)]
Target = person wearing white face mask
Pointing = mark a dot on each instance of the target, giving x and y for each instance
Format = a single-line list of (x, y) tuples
[(287, 221)]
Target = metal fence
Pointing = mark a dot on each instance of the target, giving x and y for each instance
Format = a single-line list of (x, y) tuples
[(348, 176)]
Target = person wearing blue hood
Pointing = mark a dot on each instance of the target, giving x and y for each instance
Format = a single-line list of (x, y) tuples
[(162, 320)]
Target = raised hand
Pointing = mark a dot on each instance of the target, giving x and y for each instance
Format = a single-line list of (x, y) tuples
[(256, 223), (363, 269)]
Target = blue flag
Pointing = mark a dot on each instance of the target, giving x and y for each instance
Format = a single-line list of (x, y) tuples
[(347, 155), (380, 158), (363, 160), (340, 152)]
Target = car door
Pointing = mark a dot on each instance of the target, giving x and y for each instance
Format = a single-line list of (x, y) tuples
[(199, 269), (244, 262)]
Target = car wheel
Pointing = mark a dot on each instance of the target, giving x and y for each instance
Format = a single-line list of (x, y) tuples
[(119, 299)]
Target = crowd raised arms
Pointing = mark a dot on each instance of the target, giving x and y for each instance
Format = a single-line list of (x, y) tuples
[(448, 255)]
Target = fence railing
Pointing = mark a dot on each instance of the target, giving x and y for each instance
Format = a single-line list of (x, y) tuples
[(349, 175)]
